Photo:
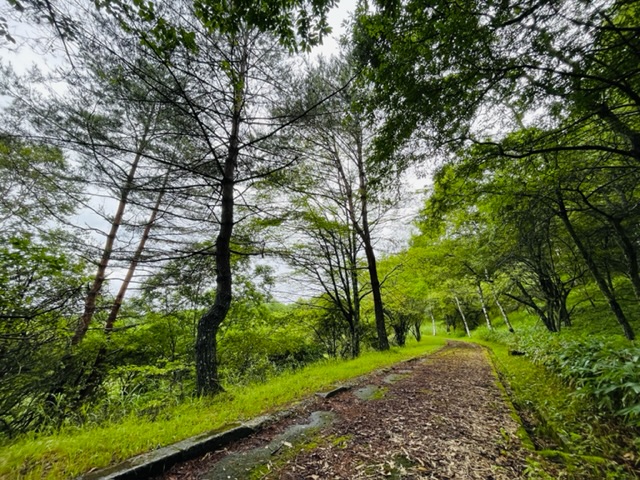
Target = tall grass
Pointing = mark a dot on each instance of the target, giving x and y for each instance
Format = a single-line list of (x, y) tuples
[(76, 450)]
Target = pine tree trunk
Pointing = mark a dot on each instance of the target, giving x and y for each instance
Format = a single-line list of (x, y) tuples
[(364, 233), (117, 304), (381, 329), (378, 307), (355, 286), (96, 287), (207, 378), (94, 377)]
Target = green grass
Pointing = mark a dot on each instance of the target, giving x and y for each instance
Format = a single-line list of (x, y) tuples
[(74, 451), (538, 395), (565, 427)]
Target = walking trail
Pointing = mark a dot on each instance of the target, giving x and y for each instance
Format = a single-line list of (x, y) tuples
[(439, 417)]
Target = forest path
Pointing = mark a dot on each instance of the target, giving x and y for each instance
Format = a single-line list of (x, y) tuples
[(440, 417)]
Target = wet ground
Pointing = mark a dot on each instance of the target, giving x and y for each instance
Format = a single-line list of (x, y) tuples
[(442, 417)]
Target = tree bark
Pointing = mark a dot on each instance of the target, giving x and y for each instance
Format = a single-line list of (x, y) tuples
[(484, 306), (530, 302), (94, 377), (595, 271), (433, 322), (117, 304), (381, 329), (355, 286), (631, 136), (378, 307), (207, 377), (627, 245), (630, 253), (364, 232), (416, 330), (503, 313), (464, 319), (96, 287)]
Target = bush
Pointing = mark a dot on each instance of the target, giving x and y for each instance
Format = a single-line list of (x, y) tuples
[(603, 369)]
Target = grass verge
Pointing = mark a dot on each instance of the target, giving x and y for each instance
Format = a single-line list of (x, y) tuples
[(565, 429), (74, 451)]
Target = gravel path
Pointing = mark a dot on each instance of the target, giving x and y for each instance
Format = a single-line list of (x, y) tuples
[(441, 417)]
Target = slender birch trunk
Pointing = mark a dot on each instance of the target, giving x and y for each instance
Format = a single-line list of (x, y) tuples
[(503, 313), (484, 306), (464, 319), (433, 322)]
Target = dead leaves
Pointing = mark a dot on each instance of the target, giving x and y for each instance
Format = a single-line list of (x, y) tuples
[(454, 431), (444, 420)]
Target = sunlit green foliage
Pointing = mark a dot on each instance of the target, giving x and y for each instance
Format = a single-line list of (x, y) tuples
[(600, 368), (552, 388), (532, 214)]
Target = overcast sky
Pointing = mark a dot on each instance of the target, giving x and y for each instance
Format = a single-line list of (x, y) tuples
[(47, 55), (26, 52), (337, 17)]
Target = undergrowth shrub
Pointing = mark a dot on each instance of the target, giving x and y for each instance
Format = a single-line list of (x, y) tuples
[(603, 369), (596, 367)]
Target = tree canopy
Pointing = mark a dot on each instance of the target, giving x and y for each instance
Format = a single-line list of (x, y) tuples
[(190, 202)]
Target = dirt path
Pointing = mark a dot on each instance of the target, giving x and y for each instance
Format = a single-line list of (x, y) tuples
[(442, 417)]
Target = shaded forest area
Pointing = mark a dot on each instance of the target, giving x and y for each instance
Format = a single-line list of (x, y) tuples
[(180, 154)]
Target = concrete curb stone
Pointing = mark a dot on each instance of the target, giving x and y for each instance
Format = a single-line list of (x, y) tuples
[(158, 461), (334, 392)]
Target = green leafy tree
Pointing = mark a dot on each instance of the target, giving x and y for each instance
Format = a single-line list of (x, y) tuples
[(37, 185), (340, 178), (437, 68), (215, 66), (41, 287)]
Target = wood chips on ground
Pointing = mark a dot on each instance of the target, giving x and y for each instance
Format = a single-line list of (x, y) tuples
[(443, 417)]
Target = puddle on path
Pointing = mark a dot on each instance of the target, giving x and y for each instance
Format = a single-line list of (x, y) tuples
[(370, 392), (394, 377), (238, 465)]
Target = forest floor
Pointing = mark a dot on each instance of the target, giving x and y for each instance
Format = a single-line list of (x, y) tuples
[(439, 417)]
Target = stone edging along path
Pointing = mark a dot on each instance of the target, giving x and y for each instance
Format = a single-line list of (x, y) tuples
[(430, 405), (156, 462)]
